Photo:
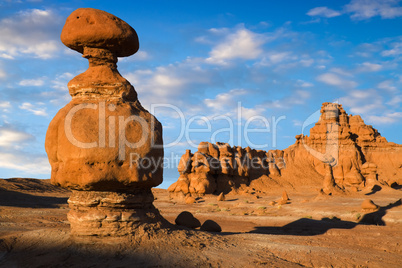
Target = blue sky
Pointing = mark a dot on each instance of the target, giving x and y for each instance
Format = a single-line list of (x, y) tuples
[(244, 72)]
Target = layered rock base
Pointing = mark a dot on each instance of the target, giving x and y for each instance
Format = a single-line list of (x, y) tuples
[(96, 213)]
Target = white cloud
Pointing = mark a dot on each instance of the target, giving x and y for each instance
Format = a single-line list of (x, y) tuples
[(16, 153), (298, 97), (335, 80), (31, 108), (366, 9), (395, 101), (369, 67), (25, 162), (6, 56), (297, 123), (13, 138), (362, 10), (366, 109), (33, 32), (249, 113), (2, 74), (388, 118), (139, 56), (396, 50), (279, 57), (61, 81), (167, 81), (387, 85), (32, 82), (312, 21), (307, 62), (341, 72), (363, 102), (228, 104), (158, 86), (5, 104), (224, 100), (176, 84), (284, 60), (302, 83), (242, 44), (323, 12)]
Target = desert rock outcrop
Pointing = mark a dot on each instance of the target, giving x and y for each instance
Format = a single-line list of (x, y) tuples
[(342, 152), (104, 145), (222, 168), (355, 153), (221, 197)]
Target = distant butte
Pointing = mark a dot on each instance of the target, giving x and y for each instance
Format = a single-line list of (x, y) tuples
[(342, 153)]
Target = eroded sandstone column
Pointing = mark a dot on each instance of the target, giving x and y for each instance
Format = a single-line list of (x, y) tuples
[(104, 145)]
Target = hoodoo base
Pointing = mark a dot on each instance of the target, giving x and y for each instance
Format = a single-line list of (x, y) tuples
[(96, 213)]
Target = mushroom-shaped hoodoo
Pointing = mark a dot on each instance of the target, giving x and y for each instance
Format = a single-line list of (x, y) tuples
[(103, 145)]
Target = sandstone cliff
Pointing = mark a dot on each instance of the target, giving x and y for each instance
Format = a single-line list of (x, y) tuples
[(341, 152)]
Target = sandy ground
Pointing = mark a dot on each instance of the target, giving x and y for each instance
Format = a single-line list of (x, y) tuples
[(312, 231)]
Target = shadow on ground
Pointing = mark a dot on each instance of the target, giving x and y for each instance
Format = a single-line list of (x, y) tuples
[(17, 199), (376, 188), (308, 227)]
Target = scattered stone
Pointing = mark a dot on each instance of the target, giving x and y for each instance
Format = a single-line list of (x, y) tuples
[(187, 219), (211, 226), (190, 200), (283, 202), (369, 205), (221, 197), (272, 203)]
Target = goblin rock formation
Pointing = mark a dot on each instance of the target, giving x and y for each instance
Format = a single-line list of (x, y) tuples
[(104, 145), (220, 168), (341, 152)]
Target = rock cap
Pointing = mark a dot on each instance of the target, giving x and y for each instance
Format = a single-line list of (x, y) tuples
[(94, 28)]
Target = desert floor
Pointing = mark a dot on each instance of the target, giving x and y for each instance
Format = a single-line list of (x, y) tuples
[(311, 230)]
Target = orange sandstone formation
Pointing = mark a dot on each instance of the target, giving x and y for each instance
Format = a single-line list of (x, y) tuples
[(341, 152), (368, 204), (104, 145), (355, 152), (222, 168)]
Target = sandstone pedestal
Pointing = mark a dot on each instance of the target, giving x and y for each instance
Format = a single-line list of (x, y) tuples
[(104, 145), (110, 213)]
